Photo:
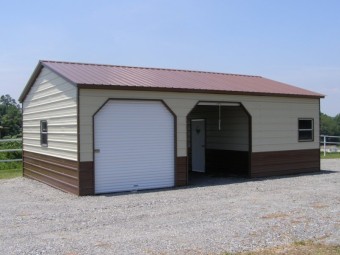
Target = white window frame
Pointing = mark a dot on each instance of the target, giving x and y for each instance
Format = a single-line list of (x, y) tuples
[(306, 129), (43, 133)]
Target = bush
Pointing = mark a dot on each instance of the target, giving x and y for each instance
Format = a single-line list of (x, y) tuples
[(10, 155)]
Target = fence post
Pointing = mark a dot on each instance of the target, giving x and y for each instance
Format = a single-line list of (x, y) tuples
[(324, 146)]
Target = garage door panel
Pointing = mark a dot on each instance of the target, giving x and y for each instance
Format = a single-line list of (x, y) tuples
[(139, 181), (119, 184), (136, 143), (122, 172)]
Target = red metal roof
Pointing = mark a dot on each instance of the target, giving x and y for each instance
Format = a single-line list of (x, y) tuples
[(177, 80)]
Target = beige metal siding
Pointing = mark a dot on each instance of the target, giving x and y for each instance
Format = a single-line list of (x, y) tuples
[(274, 119), (275, 123), (53, 99)]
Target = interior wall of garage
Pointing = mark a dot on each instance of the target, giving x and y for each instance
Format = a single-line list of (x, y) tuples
[(227, 147), (234, 132)]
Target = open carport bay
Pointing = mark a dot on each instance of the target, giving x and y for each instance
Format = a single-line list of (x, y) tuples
[(233, 215)]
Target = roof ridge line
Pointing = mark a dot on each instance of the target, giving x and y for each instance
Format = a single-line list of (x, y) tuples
[(149, 68)]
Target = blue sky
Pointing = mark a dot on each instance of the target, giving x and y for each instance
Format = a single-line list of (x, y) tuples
[(296, 42)]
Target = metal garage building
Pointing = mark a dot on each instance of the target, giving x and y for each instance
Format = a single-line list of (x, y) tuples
[(91, 129)]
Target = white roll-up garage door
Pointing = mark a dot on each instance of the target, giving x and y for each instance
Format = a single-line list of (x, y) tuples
[(134, 146)]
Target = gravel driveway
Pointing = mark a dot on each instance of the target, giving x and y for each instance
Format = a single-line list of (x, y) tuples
[(233, 215)]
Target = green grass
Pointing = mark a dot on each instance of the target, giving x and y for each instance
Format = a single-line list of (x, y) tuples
[(12, 173), (10, 169), (10, 165), (330, 155)]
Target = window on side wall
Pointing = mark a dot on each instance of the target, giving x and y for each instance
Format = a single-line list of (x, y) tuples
[(43, 133), (306, 130)]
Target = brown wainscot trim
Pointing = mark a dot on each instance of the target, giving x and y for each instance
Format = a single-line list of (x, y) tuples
[(86, 178), (274, 163), (56, 172), (181, 171)]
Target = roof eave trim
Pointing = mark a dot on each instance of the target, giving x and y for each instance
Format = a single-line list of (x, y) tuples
[(30, 82), (187, 90), (35, 75)]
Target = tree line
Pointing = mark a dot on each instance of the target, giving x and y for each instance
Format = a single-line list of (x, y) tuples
[(11, 120), (10, 117), (329, 125), (10, 127)]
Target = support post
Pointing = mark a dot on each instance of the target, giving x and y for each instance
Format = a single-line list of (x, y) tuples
[(324, 146)]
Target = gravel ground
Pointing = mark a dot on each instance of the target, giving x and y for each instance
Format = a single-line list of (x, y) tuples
[(232, 215)]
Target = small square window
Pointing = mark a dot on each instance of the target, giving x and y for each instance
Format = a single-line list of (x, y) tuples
[(43, 133), (306, 130)]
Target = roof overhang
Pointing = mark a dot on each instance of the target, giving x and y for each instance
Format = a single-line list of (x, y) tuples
[(183, 90)]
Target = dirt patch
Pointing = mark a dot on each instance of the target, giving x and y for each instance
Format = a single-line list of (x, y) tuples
[(319, 205), (297, 248), (277, 215)]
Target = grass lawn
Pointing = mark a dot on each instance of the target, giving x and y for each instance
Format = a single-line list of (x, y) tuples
[(297, 248), (7, 174), (330, 155), (10, 170)]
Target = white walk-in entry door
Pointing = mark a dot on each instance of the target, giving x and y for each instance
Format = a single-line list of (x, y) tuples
[(198, 145), (134, 146)]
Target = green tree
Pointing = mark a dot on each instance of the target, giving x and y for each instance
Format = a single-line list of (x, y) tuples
[(330, 125), (10, 117), (337, 122)]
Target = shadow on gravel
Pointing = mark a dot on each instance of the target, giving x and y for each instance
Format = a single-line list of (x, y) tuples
[(204, 180)]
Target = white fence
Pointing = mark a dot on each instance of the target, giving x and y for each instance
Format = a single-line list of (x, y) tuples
[(10, 150), (329, 143)]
